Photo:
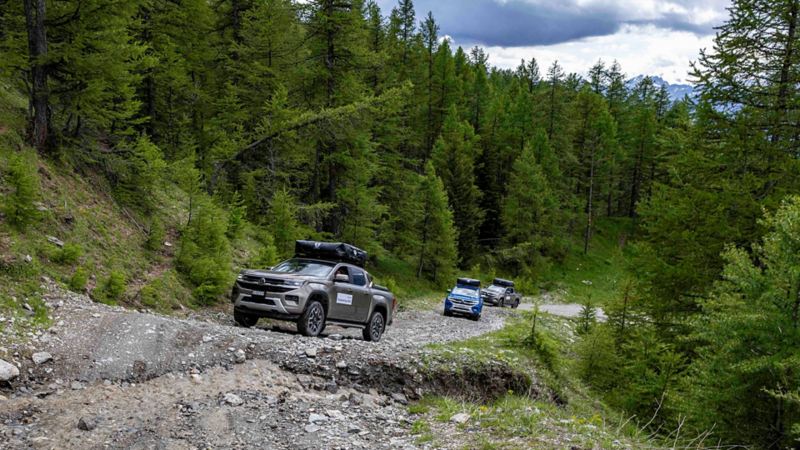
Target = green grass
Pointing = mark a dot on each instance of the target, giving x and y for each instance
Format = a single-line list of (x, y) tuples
[(530, 421), (597, 276)]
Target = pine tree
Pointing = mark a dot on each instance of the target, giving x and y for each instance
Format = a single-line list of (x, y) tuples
[(750, 341), (282, 222), (437, 255), (454, 158), (530, 209)]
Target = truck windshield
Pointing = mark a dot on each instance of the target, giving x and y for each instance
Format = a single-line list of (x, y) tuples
[(304, 267), (497, 289), (464, 291)]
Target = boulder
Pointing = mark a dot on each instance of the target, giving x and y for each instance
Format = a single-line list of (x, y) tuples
[(8, 371)]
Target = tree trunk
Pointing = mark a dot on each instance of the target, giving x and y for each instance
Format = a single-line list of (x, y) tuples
[(40, 135), (588, 234)]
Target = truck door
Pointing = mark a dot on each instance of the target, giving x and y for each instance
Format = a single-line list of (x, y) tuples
[(362, 294), (342, 306)]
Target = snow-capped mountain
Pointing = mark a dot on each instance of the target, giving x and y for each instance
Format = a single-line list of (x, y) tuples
[(676, 91)]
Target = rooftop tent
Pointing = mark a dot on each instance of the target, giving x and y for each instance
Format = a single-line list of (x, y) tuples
[(502, 282), (330, 251), (468, 282)]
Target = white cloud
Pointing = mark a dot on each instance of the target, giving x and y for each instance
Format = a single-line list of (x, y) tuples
[(640, 49)]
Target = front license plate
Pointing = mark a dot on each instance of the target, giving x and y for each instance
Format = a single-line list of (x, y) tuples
[(258, 293)]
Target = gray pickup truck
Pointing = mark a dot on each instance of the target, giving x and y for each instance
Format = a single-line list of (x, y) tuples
[(501, 293), (324, 283)]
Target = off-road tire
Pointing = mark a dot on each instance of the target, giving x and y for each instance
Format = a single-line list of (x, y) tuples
[(447, 313), (312, 321), (501, 303), (475, 317), (375, 327), (516, 304), (245, 320)]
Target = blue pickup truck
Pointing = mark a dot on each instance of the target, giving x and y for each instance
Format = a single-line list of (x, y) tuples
[(464, 299)]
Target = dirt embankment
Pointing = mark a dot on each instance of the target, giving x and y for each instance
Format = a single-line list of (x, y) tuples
[(120, 378)]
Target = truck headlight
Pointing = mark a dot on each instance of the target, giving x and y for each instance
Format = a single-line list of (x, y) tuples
[(240, 276), (293, 283)]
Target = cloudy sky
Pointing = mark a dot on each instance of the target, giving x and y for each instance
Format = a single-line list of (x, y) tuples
[(653, 37)]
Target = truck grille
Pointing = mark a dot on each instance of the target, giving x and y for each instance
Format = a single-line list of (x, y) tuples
[(266, 287), (261, 301), (463, 302)]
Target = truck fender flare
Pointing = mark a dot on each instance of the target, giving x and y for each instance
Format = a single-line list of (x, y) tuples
[(324, 299)]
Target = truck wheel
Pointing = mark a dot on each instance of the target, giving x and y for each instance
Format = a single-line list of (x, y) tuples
[(312, 322), (475, 317), (516, 303), (245, 320), (375, 327), (447, 313), (502, 303)]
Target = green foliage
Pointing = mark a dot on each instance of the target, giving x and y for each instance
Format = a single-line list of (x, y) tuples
[(68, 254), (437, 235), (282, 222), (749, 340), (454, 158), (111, 289), (587, 317), (155, 235), (598, 363), (79, 279), (158, 294), (136, 175), (267, 254), (204, 255), (236, 216), (20, 176)]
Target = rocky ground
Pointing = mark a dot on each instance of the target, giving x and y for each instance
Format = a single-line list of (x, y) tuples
[(109, 377)]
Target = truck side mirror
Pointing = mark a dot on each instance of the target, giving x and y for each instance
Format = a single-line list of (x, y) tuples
[(341, 278)]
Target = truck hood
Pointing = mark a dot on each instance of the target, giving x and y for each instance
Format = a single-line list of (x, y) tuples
[(275, 275)]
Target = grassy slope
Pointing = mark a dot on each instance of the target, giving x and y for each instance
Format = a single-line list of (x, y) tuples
[(518, 420), (598, 275)]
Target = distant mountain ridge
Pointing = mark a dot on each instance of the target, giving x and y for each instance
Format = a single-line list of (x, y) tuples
[(676, 91)]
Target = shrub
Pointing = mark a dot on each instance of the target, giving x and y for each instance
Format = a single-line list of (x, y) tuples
[(236, 216), (598, 363), (137, 174), (68, 254), (79, 279), (23, 180), (155, 235), (112, 289), (205, 254), (267, 255)]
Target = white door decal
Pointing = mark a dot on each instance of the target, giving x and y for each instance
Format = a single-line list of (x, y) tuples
[(344, 299)]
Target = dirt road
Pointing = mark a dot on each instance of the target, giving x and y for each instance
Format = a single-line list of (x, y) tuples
[(125, 379)]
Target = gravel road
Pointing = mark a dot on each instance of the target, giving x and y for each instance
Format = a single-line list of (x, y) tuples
[(564, 310), (125, 379)]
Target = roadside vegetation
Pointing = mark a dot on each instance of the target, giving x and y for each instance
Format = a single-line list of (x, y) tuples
[(558, 410)]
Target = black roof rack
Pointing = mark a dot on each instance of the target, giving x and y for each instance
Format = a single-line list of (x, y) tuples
[(330, 251), (469, 282), (502, 282)]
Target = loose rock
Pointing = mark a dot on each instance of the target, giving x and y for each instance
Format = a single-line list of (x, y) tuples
[(8, 371), (87, 424), (41, 357), (460, 418), (233, 399)]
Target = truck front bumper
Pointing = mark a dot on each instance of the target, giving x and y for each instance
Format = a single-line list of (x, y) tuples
[(458, 307)]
